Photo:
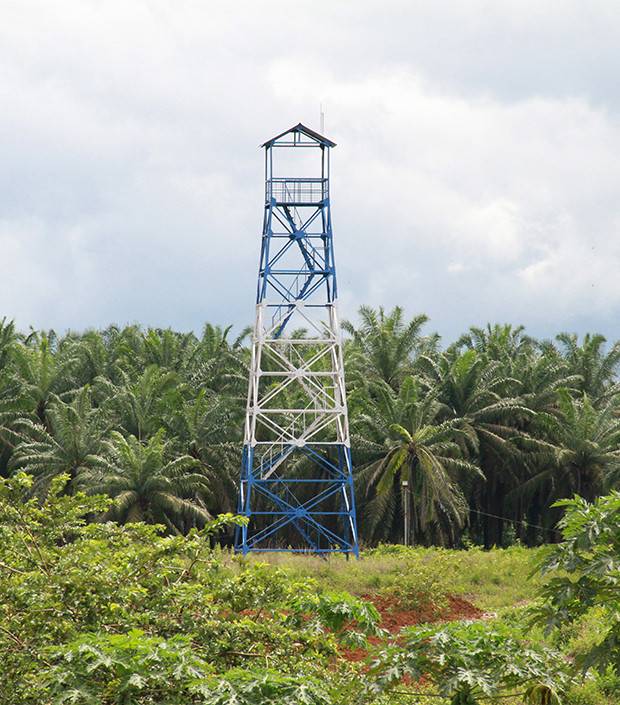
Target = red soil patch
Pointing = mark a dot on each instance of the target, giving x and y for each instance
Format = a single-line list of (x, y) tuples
[(358, 654), (394, 617)]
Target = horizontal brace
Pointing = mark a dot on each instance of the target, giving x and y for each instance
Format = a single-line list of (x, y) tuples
[(298, 303), (294, 481), (259, 410), (296, 180), (296, 272), (303, 145), (303, 374), (313, 443), (307, 236), (318, 203), (349, 549), (301, 341), (301, 516)]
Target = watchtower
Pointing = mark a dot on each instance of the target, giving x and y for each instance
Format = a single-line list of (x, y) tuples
[(296, 479)]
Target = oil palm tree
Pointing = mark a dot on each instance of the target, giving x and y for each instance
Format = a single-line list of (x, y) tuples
[(595, 366), (92, 356), (8, 339), (208, 427), (383, 345), (12, 401), (73, 433), (585, 441), (400, 437), (217, 363), (168, 349), (147, 484), (542, 376), (485, 400), (140, 407), (498, 343), (45, 372)]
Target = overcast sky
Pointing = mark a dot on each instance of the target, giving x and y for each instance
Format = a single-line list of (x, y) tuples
[(476, 176)]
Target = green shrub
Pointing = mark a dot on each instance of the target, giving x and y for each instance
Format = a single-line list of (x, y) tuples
[(423, 587), (135, 669), (469, 662), (584, 577), (110, 614), (588, 693)]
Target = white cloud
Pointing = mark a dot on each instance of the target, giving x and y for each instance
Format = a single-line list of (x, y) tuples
[(475, 176)]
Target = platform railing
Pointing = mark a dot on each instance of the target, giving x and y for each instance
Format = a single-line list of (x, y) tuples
[(297, 191)]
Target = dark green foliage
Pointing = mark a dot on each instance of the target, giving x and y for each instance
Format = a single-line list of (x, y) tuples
[(99, 612), (405, 439), (145, 485), (488, 432)]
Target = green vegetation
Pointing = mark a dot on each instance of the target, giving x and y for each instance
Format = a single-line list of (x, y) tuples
[(472, 661), (110, 614), (100, 612), (488, 432), (586, 576), (119, 455), (492, 580)]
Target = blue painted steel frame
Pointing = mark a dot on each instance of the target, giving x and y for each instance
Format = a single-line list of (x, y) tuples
[(282, 503)]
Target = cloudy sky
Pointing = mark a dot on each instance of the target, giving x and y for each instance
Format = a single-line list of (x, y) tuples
[(476, 177)]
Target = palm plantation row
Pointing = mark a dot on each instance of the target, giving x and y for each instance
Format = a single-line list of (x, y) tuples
[(488, 432)]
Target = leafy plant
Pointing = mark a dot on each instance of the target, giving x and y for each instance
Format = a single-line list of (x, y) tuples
[(113, 614), (423, 586), (125, 669), (584, 574), (468, 662)]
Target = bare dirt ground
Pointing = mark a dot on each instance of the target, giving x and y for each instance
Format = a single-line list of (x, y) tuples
[(394, 617)]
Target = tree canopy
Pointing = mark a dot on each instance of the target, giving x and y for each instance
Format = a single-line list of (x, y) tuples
[(487, 431)]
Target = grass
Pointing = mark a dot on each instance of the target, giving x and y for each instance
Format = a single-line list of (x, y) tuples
[(501, 582), (491, 580)]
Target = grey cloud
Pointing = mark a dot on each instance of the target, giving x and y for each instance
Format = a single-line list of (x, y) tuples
[(475, 176)]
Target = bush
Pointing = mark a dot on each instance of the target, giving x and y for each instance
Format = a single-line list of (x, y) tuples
[(584, 575), (113, 615), (423, 587), (468, 662)]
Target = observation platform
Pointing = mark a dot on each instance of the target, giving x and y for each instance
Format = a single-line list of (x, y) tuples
[(296, 192)]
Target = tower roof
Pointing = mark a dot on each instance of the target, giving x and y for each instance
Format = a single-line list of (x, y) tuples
[(301, 129)]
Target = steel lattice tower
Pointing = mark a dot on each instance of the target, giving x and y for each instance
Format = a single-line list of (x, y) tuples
[(296, 479)]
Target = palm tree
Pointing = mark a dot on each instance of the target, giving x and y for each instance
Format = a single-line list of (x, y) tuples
[(140, 407), (400, 437), (585, 445), (208, 427), (146, 484), (93, 357), (12, 402), (217, 363), (125, 348), (384, 344), (74, 432), (8, 339), (168, 349), (484, 398), (498, 343), (44, 371), (542, 376), (596, 368)]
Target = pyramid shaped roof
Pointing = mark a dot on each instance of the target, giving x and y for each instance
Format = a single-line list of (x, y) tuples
[(301, 129)]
